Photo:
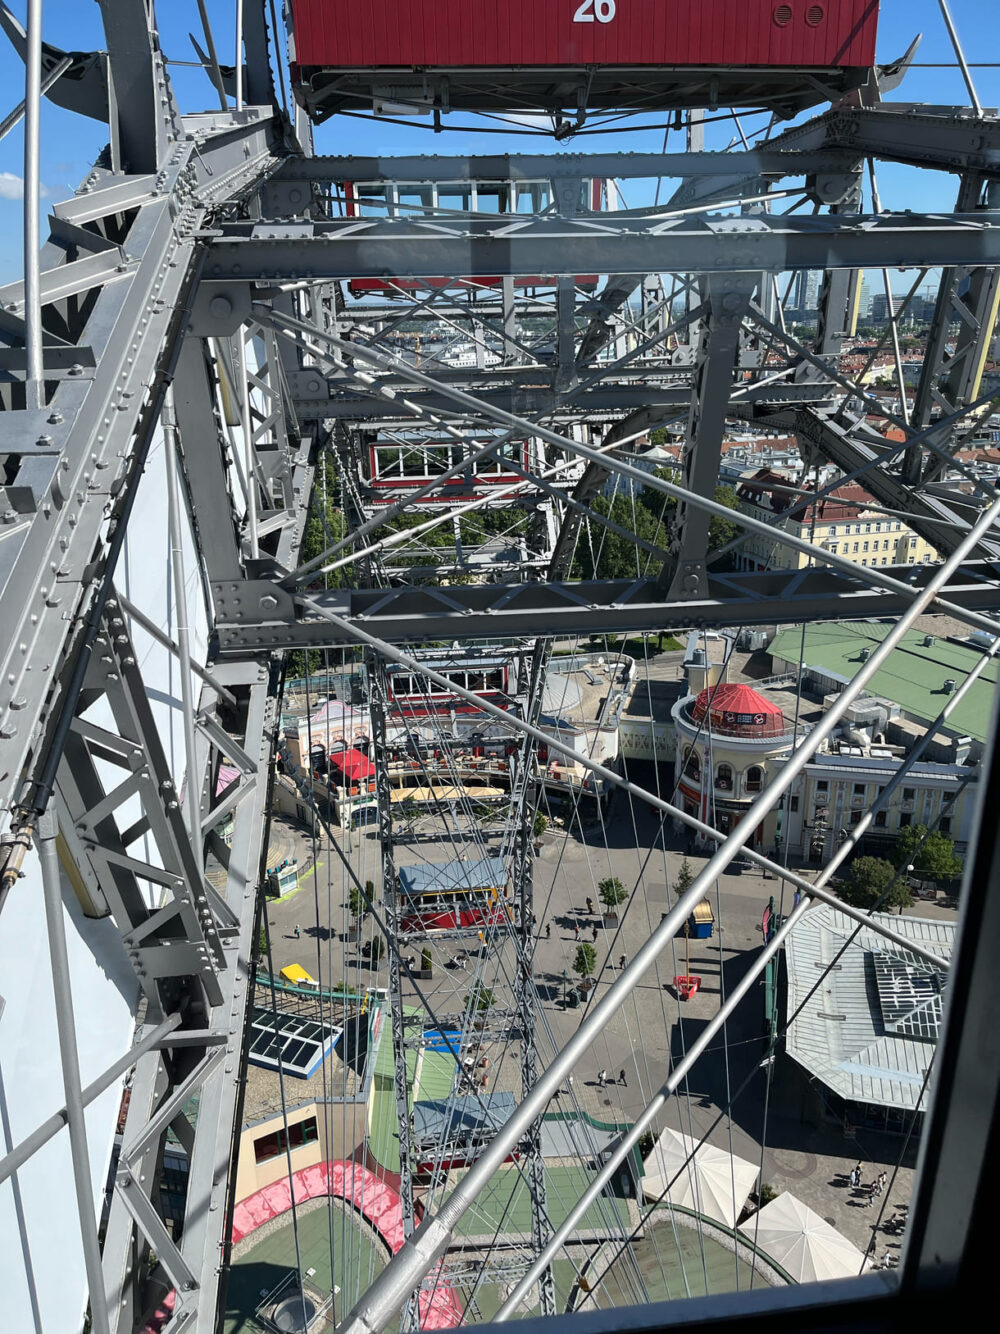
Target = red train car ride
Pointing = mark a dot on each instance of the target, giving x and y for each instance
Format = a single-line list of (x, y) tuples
[(450, 896)]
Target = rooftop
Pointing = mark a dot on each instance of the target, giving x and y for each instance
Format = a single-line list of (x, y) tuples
[(779, 492), (441, 877), (913, 677), (869, 1030), (738, 710), (340, 1077), (503, 1209)]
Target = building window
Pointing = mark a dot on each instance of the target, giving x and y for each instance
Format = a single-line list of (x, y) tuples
[(864, 547), (909, 794), (885, 545), (833, 548), (880, 819), (905, 820), (944, 824), (885, 560), (793, 804), (832, 532), (754, 781), (868, 527), (692, 765), (855, 546), (860, 789), (724, 777), (856, 817), (273, 1145), (822, 786)]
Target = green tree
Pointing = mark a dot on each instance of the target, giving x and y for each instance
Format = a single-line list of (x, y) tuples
[(657, 502), (585, 963), (684, 879), (479, 1000), (932, 855), (720, 530), (611, 892), (374, 949), (541, 823), (326, 523), (873, 880), (607, 555), (358, 901)]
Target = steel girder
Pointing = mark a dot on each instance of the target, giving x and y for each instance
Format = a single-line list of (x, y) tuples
[(119, 291), (122, 319), (80, 456), (953, 365), (949, 139), (717, 355), (493, 611), (487, 246)]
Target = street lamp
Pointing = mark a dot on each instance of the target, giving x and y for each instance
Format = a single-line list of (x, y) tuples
[(565, 981)]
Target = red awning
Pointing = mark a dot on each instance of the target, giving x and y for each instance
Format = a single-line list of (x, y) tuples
[(352, 764)]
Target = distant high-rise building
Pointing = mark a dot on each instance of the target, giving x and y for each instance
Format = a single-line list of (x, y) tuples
[(804, 295)]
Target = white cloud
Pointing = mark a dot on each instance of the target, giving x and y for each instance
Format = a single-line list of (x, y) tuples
[(12, 187)]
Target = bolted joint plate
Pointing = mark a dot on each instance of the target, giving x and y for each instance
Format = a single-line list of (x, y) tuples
[(251, 602), (219, 309)]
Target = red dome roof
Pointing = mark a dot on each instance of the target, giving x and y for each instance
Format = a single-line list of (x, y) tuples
[(737, 710)]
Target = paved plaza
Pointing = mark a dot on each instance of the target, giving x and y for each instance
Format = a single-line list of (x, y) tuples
[(782, 1126)]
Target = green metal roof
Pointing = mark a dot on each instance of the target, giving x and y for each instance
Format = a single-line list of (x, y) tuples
[(383, 1135), (504, 1205), (913, 677), (437, 1072)]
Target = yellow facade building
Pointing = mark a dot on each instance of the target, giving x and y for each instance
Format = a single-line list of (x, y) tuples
[(846, 523)]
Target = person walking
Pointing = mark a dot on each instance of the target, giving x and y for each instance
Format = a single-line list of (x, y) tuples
[(621, 1078), (882, 1179), (576, 930), (853, 1177), (298, 931), (590, 906), (596, 934), (548, 930), (623, 961)]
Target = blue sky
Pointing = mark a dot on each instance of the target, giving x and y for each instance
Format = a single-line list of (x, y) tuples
[(70, 143)]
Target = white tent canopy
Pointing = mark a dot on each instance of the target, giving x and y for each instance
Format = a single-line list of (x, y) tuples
[(805, 1246), (714, 1183)]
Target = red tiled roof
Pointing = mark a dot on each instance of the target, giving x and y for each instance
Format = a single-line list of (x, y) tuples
[(847, 502)]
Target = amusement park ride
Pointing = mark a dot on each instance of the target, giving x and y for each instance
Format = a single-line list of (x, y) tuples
[(209, 315)]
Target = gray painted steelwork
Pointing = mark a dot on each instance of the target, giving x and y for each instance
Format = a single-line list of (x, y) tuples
[(145, 282)]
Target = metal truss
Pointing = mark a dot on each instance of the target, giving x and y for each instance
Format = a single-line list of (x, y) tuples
[(390, 906), (487, 246), (197, 290)]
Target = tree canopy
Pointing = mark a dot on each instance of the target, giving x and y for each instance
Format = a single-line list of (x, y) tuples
[(479, 1000), (612, 891), (684, 879), (586, 961), (873, 880), (931, 854)]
